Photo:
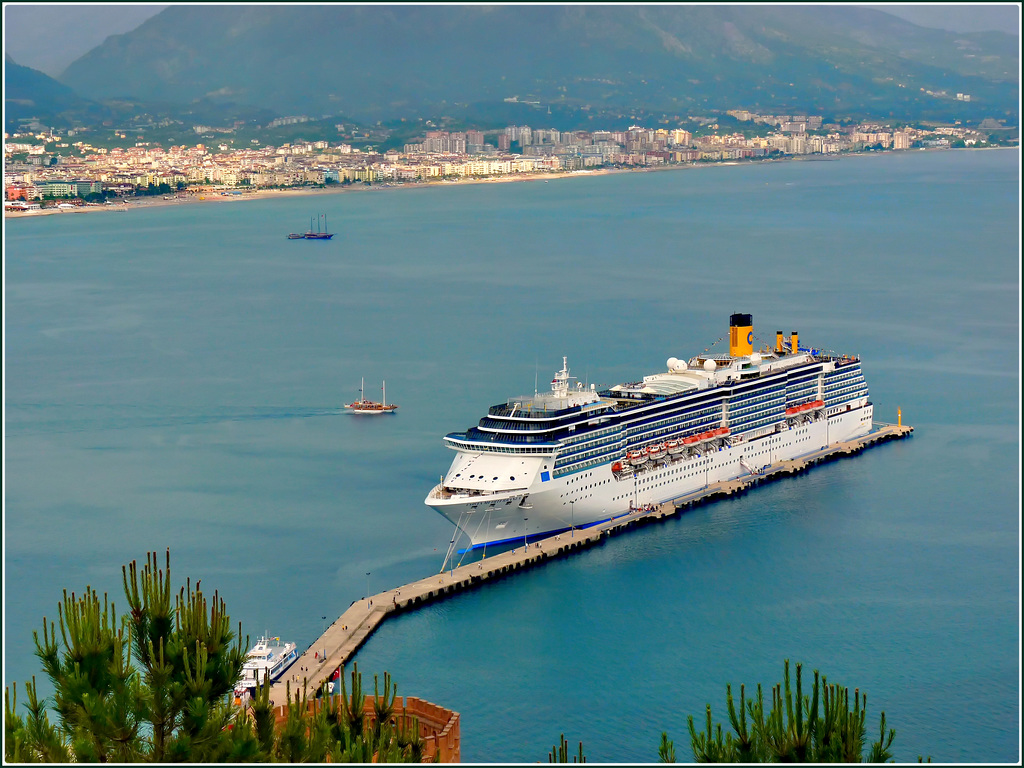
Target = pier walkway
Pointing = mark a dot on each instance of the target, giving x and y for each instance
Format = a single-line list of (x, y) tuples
[(346, 635)]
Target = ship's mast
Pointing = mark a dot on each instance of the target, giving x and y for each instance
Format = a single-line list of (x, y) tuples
[(560, 384)]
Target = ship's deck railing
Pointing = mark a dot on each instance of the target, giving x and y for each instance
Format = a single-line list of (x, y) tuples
[(530, 409), (829, 357), (475, 440), (444, 493), (439, 492), (623, 403), (490, 422)]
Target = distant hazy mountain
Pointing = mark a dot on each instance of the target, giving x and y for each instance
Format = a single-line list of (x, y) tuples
[(48, 37), (383, 61), (31, 93)]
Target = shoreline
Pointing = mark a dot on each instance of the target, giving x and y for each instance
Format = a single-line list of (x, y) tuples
[(196, 197)]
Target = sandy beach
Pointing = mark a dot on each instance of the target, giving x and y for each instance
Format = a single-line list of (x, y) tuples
[(196, 197)]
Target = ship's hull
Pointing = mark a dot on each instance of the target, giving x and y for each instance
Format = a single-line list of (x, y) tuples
[(598, 494)]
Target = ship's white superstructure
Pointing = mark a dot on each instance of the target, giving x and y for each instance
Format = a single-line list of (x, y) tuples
[(270, 657), (574, 457)]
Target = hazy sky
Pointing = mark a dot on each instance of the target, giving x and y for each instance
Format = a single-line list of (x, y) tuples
[(973, 17), (49, 37)]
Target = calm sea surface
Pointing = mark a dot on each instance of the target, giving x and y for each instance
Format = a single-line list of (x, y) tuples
[(174, 378)]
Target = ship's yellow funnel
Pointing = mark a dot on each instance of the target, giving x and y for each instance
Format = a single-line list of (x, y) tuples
[(794, 343), (778, 342), (741, 335)]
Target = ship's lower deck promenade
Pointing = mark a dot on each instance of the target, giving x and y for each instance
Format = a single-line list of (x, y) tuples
[(347, 634)]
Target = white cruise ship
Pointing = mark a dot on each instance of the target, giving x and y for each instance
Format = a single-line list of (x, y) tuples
[(573, 457)]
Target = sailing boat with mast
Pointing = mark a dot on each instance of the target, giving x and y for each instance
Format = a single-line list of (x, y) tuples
[(318, 235), (311, 235), (362, 405)]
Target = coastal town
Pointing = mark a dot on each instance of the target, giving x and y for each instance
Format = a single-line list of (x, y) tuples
[(46, 169)]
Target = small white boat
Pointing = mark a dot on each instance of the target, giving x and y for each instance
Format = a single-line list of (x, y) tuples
[(269, 657)]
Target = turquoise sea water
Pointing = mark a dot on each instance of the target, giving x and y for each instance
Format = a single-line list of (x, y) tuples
[(174, 378)]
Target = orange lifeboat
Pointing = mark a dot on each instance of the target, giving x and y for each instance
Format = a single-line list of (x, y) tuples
[(804, 407), (673, 446), (654, 451), (617, 466), (637, 458), (721, 431), (691, 439)]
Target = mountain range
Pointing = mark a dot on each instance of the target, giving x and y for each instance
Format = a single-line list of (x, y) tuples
[(31, 93), (387, 62)]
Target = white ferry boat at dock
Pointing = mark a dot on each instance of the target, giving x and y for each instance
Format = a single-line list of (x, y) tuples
[(573, 457), (270, 657)]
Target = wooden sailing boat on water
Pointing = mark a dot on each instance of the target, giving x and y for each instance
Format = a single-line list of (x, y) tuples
[(362, 405), (311, 235), (318, 235)]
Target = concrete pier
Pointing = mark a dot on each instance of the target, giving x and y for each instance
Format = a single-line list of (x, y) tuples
[(347, 634)]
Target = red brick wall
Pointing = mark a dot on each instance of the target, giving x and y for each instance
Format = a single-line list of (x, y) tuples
[(439, 727)]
